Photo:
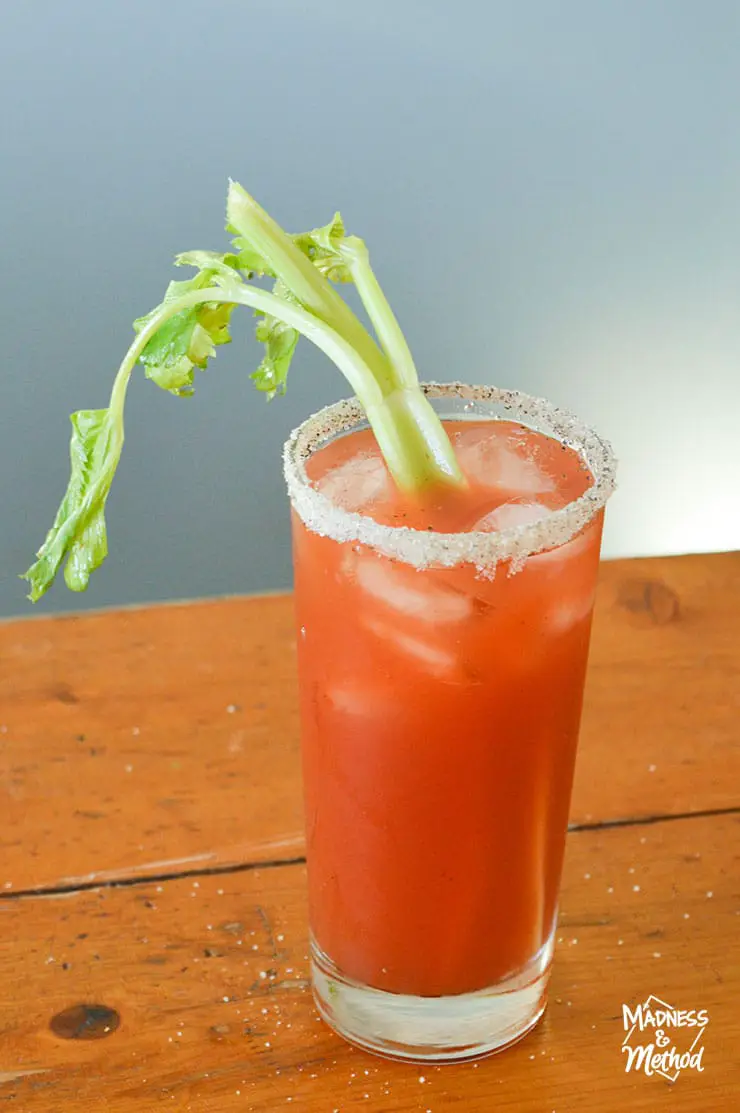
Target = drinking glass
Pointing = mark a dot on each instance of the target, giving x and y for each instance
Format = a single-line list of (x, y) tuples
[(441, 680)]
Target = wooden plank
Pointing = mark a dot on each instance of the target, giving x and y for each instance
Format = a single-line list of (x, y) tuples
[(661, 722), (209, 979), (149, 740), (144, 741)]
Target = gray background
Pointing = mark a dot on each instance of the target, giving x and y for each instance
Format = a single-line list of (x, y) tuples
[(551, 193)]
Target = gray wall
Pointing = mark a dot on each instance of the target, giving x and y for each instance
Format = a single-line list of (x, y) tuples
[(551, 192)]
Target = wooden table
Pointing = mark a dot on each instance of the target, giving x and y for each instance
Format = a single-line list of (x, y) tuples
[(152, 865)]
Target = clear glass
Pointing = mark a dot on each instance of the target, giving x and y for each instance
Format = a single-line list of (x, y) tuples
[(441, 680)]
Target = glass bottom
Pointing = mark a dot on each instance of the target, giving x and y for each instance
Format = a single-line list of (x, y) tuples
[(432, 1029)]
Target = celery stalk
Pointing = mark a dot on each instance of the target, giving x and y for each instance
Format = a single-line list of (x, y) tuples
[(183, 332)]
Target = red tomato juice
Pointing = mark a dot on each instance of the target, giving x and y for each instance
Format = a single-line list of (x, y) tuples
[(439, 712)]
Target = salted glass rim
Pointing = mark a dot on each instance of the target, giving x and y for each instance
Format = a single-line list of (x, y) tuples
[(422, 548)]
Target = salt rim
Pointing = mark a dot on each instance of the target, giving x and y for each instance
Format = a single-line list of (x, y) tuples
[(421, 548)]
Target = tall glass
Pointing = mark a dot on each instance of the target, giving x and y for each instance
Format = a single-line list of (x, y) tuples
[(441, 680)]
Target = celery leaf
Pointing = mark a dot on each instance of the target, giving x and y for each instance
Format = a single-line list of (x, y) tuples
[(280, 342), (79, 532), (189, 338), (323, 246)]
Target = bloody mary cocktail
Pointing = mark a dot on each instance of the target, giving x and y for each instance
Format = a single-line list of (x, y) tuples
[(442, 651), (446, 546)]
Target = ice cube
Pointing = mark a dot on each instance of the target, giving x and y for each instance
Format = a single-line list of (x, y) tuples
[(411, 593), (512, 514), (353, 698), (517, 513), (573, 548), (574, 587), (428, 655), (570, 590), (356, 483), (570, 610), (502, 460)]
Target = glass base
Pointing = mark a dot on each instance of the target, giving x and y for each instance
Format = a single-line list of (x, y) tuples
[(432, 1029)]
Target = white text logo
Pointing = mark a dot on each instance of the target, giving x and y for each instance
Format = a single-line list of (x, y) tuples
[(663, 1040)]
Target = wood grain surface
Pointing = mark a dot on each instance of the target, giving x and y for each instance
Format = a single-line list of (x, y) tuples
[(150, 780), (209, 977), (145, 741)]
